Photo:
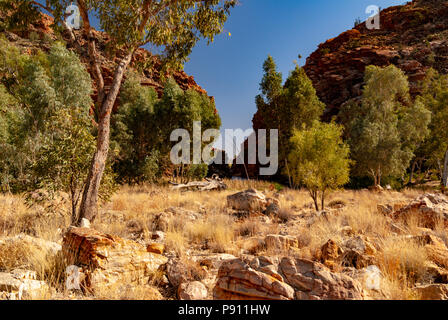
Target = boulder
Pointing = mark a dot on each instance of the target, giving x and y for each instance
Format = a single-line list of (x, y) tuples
[(215, 261), (192, 291), (158, 236), (22, 284), (372, 281), (239, 281), (359, 252), (428, 210), (435, 248), (176, 272), (280, 243), (249, 201), (432, 292), (313, 281), (179, 271), (107, 260), (331, 254), (272, 209), (48, 249)]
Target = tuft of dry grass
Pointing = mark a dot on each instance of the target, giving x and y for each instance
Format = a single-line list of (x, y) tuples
[(204, 225)]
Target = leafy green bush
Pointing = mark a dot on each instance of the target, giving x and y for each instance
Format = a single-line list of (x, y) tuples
[(319, 160)]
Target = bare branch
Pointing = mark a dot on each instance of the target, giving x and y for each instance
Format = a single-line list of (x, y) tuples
[(95, 64)]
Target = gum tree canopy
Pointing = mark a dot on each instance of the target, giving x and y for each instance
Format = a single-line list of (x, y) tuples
[(174, 26)]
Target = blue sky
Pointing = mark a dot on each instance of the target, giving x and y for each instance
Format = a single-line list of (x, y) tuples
[(230, 69)]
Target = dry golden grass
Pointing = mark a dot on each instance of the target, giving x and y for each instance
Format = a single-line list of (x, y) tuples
[(132, 213)]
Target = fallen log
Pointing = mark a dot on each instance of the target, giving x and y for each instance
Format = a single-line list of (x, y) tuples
[(208, 185)]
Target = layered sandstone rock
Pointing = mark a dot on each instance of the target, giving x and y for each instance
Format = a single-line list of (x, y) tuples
[(192, 291), (277, 242), (313, 281), (428, 210), (238, 281), (107, 260), (287, 278), (411, 37), (250, 200)]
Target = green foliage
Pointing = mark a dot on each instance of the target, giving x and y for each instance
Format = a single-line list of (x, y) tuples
[(287, 107), (319, 159), (386, 127), (435, 97), (174, 27), (197, 171), (48, 133), (143, 144)]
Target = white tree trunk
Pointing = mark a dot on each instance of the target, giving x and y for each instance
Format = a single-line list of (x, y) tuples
[(445, 172)]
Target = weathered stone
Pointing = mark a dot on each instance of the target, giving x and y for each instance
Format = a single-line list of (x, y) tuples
[(361, 244), (279, 243), (331, 254), (250, 200), (85, 223), (108, 259), (192, 291), (155, 248), (313, 281), (428, 210), (238, 281), (176, 272), (19, 287), (433, 292), (179, 271), (215, 261), (158, 236), (435, 248), (372, 281)]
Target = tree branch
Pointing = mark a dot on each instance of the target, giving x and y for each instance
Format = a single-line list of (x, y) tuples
[(95, 64)]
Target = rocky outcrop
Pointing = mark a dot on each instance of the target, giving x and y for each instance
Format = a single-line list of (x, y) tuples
[(432, 292), (313, 281), (238, 281), (107, 260), (252, 201), (275, 242), (22, 284), (428, 210), (412, 37), (281, 279), (40, 34), (192, 291)]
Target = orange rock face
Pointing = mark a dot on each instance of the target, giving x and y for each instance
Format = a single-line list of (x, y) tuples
[(148, 65), (107, 260), (283, 279), (409, 38)]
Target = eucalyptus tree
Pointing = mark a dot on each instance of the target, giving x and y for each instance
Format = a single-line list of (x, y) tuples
[(386, 127), (173, 26), (287, 107)]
